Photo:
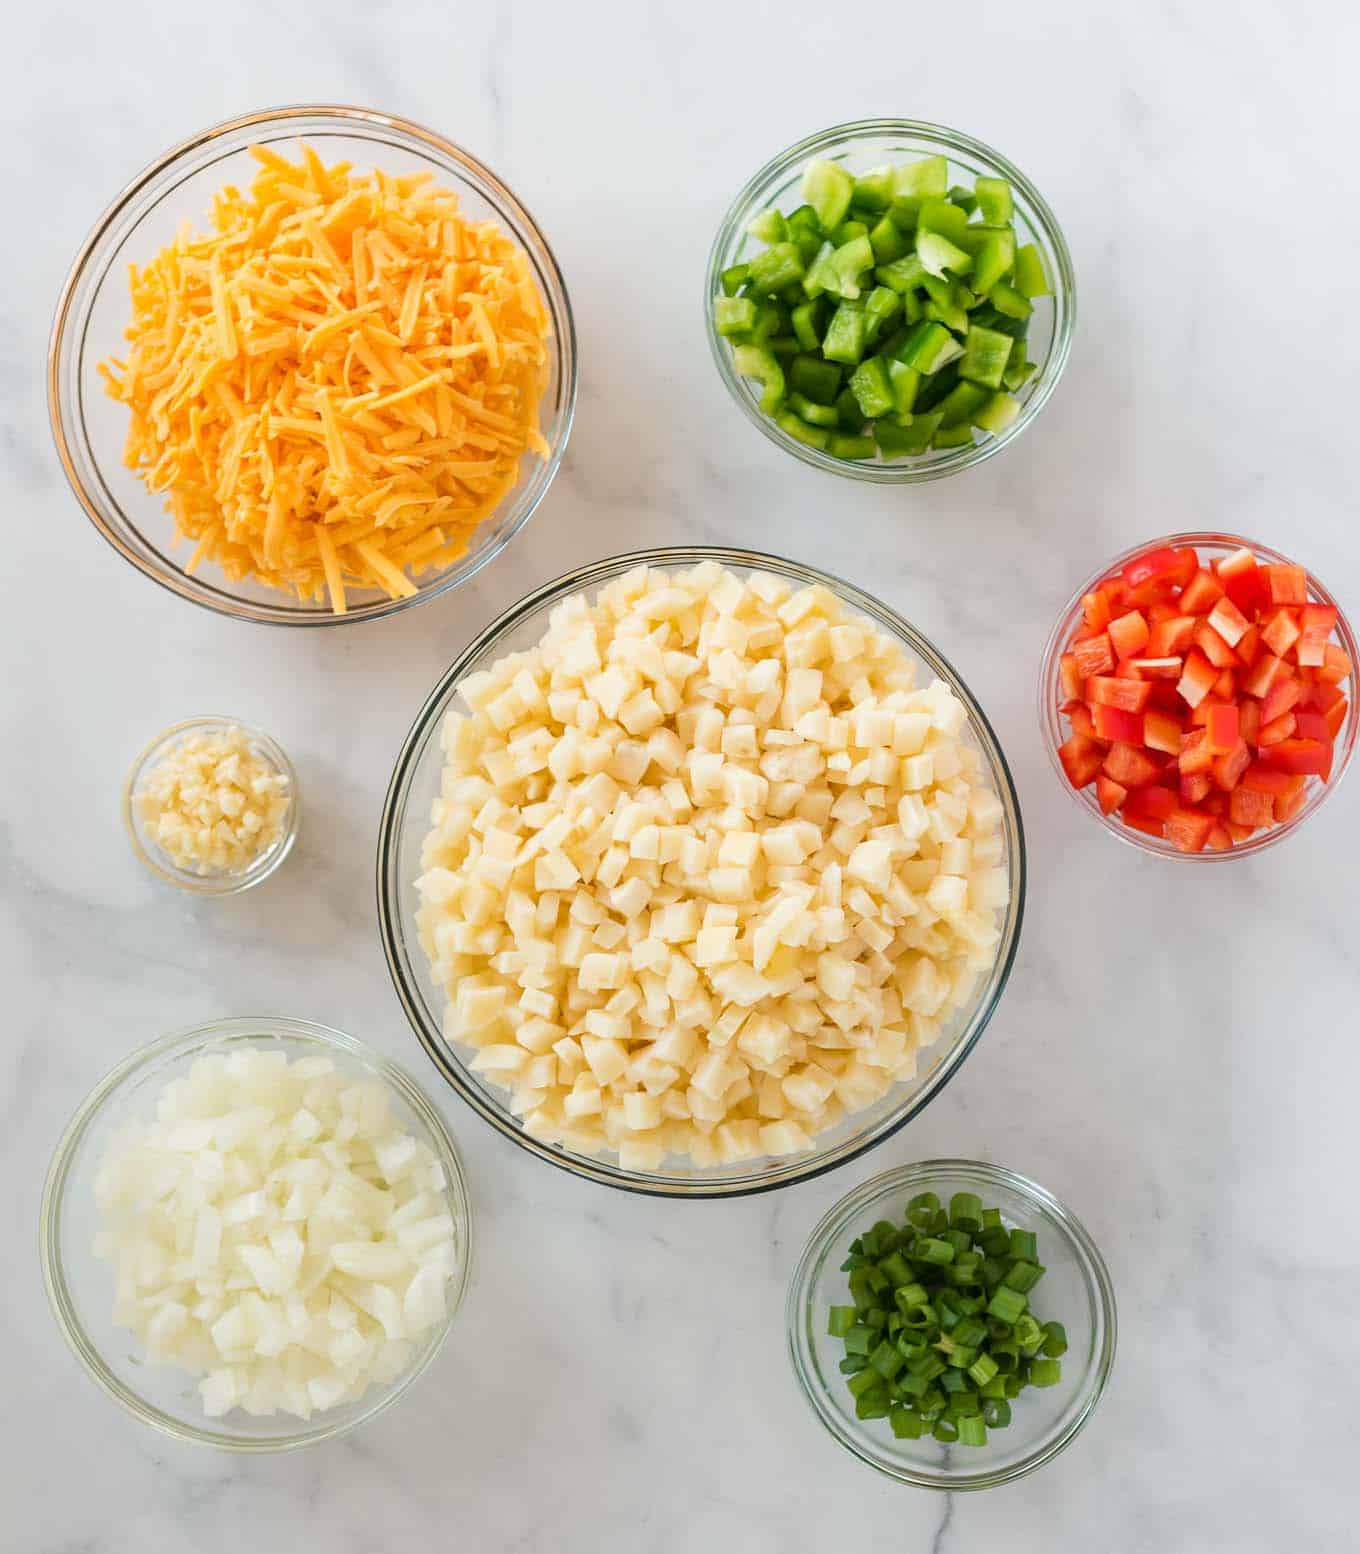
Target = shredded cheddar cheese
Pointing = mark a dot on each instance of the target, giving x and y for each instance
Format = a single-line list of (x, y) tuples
[(335, 386)]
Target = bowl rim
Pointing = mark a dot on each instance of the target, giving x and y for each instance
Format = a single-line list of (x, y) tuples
[(404, 972), (226, 884), (241, 1028), (1064, 299), (1050, 725), (360, 121), (981, 1173)]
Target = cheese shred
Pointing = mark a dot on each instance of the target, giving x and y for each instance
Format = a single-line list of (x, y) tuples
[(335, 386)]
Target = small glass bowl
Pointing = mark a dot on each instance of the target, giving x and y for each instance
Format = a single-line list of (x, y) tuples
[(1075, 1290), (89, 428), (1052, 729), (406, 821), (862, 145), (226, 883), (80, 1285)]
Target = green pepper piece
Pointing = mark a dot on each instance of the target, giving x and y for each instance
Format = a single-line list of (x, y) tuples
[(993, 259), (820, 275), (1019, 374), (818, 380), (886, 241), (773, 269), (880, 307), (851, 260), (806, 231), (965, 199), (895, 442), (905, 211), (943, 218), (768, 227), (870, 385), (942, 307), (844, 338), (953, 437), (985, 357), (928, 347), (958, 405), (936, 253), (843, 445), (734, 315), (935, 386), (807, 323), (929, 177), (827, 187), (758, 362), (873, 190), (901, 275), (784, 346), (800, 431), (814, 414), (1005, 299), (772, 318), (848, 230), (997, 414), (1031, 279), (733, 278), (905, 383), (994, 201)]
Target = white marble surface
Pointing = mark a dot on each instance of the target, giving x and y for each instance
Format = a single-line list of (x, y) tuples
[(1176, 1053)]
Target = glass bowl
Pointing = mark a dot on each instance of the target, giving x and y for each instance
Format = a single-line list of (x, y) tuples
[(89, 427), (80, 1285), (1075, 1290), (405, 822), (223, 883), (1051, 726), (863, 145)]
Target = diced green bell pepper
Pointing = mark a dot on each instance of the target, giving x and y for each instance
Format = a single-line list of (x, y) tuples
[(850, 261), (997, 414), (953, 436), (734, 277), (993, 261), (847, 231), (784, 346), (902, 441), (1005, 299), (759, 362), (800, 431), (942, 305), (886, 241), (960, 402), (806, 231), (1018, 374), (873, 190), (985, 357), (733, 315), (772, 318), (929, 176), (820, 276), (902, 275), (844, 338), (768, 227), (943, 218), (905, 383), (814, 414), (828, 188), (932, 390), (774, 267), (845, 445), (806, 318), (928, 348), (965, 199), (847, 407), (994, 201), (937, 254), (870, 385), (820, 381), (1030, 277), (881, 306)]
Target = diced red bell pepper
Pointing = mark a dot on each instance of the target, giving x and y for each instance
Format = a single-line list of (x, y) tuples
[(1280, 632), (1240, 833), (1316, 624), (1260, 777), (1163, 564), (1188, 829), (1241, 579), (1095, 606), (1094, 655), (1129, 634), (1158, 668), (1115, 724), (1070, 683), (1146, 823), (1229, 622), (1322, 695), (1162, 731), (1335, 716), (1249, 719), (1261, 676), (1195, 788), (1248, 646), (1109, 794), (1130, 767), (1218, 840), (1225, 687), (1286, 584), (1304, 757), (1287, 807), (1195, 755), (1249, 808), (1214, 648), (1336, 665), (1311, 725), (1078, 714), (1228, 768), (1171, 637), (1160, 610), (1197, 678), (1106, 691), (1282, 696), (1081, 759), (1215, 803), (1277, 729), (1222, 727), (1154, 799), (1199, 594)]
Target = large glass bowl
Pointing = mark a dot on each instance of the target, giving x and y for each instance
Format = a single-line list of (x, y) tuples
[(90, 428), (406, 820), (1212, 546), (80, 1285), (861, 146), (1074, 1290)]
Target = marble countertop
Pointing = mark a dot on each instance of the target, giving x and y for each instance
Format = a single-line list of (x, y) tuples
[(617, 1379)]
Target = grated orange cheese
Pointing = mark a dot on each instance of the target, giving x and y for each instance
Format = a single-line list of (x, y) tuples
[(336, 385)]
